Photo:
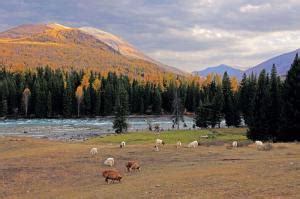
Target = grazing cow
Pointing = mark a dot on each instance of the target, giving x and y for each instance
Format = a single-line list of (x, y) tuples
[(178, 144), (234, 144), (122, 145), (264, 147), (112, 175), (109, 162), (133, 165), (258, 143), (159, 141), (93, 151), (193, 144)]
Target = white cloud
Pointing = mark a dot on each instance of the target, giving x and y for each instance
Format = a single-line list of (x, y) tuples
[(249, 8), (249, 49), (189, 34)]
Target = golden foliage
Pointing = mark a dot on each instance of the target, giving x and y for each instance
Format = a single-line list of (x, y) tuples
[(218, 79), (85, 82), (70, 49), (234, 84), (26, 92), (97, 84), (79, 93)]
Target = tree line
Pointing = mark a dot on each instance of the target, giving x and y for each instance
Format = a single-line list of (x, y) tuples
[(266, 104), (269, 106), (47, 93)]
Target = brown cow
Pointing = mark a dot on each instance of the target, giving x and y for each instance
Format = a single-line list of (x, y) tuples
[(133, 165), (111, 175)]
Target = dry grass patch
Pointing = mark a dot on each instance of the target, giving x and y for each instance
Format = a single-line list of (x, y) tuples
[(46, 169)]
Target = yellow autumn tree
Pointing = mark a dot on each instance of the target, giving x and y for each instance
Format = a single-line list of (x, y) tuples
[(79, 97), (26, 96), (218, 79), (208, 79), (96, 84), (85, 82), (234, 84)]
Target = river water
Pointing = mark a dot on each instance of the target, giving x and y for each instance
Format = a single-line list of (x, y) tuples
[(78, 129)]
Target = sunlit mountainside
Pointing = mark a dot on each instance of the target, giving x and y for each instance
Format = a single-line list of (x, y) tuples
[(55, 45)]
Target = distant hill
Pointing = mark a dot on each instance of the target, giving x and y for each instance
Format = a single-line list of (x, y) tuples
[(55, 45), (282, 62), (221, 69)]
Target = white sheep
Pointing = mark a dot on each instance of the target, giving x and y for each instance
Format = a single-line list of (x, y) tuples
[(109, 162), (178, 144), (193, 144), (93, 151), (156, 148), (159, 141), (122, 145), (234, 144), (259, 143)]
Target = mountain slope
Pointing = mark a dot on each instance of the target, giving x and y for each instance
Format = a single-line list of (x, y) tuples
[(282, 62), (55, 45), (221, 69)]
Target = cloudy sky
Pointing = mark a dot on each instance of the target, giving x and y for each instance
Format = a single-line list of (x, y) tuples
[(188, 34)]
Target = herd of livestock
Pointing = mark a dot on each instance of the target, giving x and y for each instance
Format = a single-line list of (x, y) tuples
[(115, 175)]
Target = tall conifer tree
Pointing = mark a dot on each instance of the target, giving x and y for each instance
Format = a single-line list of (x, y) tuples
[(291, 98)]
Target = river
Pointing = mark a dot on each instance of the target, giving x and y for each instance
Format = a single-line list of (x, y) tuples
[(78, 129)]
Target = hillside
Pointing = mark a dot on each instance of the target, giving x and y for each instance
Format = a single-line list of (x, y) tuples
[(30, 46), (221, 69), (282, 62)]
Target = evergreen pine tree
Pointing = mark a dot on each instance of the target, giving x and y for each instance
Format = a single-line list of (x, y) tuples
[(3, 98), (156, 104), (201, 116), (275, 104), (87, 101), (49, 105), (121, 110), (228, 100), (11, 97), (147, 98), (244, 98), (67, 99), (40, 98), (216, 108), (258, 129), (108, 98), (291, 110), (236, 117)]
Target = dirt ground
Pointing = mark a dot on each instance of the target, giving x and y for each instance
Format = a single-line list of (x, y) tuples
[(36, 168)]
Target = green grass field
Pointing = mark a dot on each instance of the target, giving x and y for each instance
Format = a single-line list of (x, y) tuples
[(171, 137)]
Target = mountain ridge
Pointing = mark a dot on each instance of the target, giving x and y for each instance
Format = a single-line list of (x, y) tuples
[(282, 62), (56, 45), (220, 69)]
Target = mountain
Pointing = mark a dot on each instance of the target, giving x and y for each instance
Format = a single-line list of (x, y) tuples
[(282, 62), (55, 45), (221, 69), (123, 47)]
